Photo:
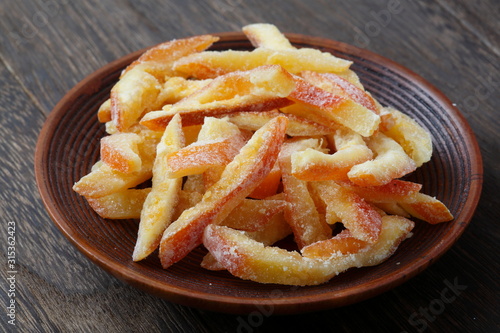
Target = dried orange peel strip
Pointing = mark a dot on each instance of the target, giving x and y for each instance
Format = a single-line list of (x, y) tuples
[(315, 165), (219, 141), (339, 86), (343, 243), (362, 219), (104, 180), (120, 151), (390, 162), (267, 36), (297, 126), (426, 208), (329, 109), (160, 203), (158, 60), (252, 260), (301, 213), (126, 204), (211, 64), (415, 140), (394, 191), (253, 215)]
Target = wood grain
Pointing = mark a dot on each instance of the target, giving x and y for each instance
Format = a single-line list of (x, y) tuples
[(46, 47)]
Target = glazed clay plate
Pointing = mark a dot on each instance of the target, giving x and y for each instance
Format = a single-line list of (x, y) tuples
[(69, 145)]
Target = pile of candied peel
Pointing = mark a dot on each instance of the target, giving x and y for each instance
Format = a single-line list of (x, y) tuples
[(241, 149)]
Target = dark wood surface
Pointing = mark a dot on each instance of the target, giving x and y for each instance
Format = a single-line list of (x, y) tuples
[(46, 47)]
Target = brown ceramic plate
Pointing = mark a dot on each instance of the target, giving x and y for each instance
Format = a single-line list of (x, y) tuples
[(69, 144)]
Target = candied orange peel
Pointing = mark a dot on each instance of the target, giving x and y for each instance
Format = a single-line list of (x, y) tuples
[(243, 152)]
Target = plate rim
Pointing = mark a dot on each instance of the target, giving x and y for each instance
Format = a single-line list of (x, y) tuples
[(285, 304)]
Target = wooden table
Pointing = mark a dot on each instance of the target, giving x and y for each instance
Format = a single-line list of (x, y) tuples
[(48, 46)]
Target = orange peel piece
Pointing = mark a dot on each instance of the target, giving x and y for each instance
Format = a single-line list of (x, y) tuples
[(359, 217), (426, 208), (343, 243), (415, 140), (315, 165), (120, 151), (219, 141), (301, 213), (126, 204), (252, 260), (390, 162), (253, 215), (297, 126), (269, 186), (104, 112), (395, 190), (134, 94), (327, 108), (267, 36), (104, 180), (211, 64), (158, 59), (340, 86), (160, 203)]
